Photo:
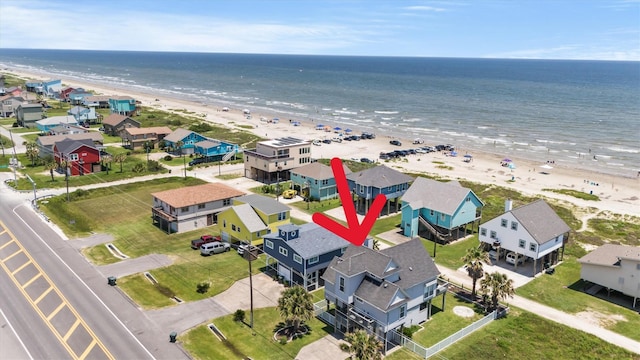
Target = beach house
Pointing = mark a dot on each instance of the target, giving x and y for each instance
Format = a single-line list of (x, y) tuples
[(382, 291), (301, 253), (315, 181), (614, 268), (83, 114), (441, 211), (123, 105), (45, 143), (368, 183), (114, 124), (135, 138), (80, 156), (191, 207), (271, 160), (27, 114), (533, 230), (46, 124), (251, 217)]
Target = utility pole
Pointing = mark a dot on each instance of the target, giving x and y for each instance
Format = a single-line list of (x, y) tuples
[(35, 203), (250, 256), (15, 177)]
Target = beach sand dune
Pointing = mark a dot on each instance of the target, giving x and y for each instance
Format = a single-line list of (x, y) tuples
[(618, 194)]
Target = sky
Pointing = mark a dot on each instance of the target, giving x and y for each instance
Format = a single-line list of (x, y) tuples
[(533, 29)]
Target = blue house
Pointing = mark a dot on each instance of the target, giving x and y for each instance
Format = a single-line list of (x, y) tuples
[(83, 114), (123, 105), (52, 88), (194, 143), (301, 253), (435, 209), (47, 124), (316, 181), (367, 184), (77, 96), (382, 291)]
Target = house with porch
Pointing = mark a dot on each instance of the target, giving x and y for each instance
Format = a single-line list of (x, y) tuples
[(68, 129), (191, 207), (135, 138), (96, 101), (216, 150), (45, 125), (316, 181), (27, 114), (614, 268), (81, 156), (381, 291), (77, 96), (368, 183), (271, 160), (114, 124), (45, 143), (123, 105), (83, 114), (251, 217), (533, 230), (187, 140), (52, 88), (439, 211), (301, 253)]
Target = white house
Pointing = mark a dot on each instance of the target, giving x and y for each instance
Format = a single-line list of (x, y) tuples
[(533, 230), (615, 267)]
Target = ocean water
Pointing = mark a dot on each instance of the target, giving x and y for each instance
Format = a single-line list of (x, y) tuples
[(577, 113)]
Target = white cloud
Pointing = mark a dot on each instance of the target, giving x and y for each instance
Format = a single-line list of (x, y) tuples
[(425, 8)]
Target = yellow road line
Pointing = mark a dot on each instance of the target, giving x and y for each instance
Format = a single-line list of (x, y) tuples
[(10, 256), (56, 311), (6, 244), (36, 301), (36, 277), (94, 339), (71, 330), (3, 231), (20, 267)]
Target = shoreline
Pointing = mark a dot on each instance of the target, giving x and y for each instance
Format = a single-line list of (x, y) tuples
[(617, 193)]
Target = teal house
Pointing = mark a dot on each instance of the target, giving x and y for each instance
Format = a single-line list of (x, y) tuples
[(439, 211), (194, 143), (367, 184), (316, 181), (123, 105)]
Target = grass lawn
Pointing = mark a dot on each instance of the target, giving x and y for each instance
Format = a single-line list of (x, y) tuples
[(201, 343), (449, 255)]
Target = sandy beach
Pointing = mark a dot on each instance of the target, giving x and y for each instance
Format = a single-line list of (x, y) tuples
[(620, 195)]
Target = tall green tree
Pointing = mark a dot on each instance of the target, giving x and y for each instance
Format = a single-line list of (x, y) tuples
[(497, 286), (51, 166), (32, 152), (120, 158), (295, 305), (473, 260), (107, 160), (363, 345)]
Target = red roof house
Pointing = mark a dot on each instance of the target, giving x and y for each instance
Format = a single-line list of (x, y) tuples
[(82, 155)]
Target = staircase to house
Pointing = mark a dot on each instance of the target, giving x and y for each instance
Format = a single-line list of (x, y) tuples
[(440, 236)]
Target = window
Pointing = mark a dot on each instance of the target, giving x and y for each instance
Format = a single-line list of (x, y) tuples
[(268, 243), (521, 243), (185, 209), (239, 229), (403, 311), (201, 206), (503, 223), (637, 266), (483, 231), (468, 198), (313, 260), (514, 225), (341, 283), (282, 216), (297, 258), (226, 202), (493, 235), (442, 217), (73, 157), (532, 247), (283, 251), (423, 306), (621, 280), (233, 227), (224, 223)]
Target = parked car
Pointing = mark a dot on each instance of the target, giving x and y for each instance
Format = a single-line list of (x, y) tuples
[(214, 248), (242, 248), (418, 141), (395, 142), (367, 160), (337, 139), (326, 141), (317, 142), (289, 194), (204, 239), (385, 156), (511, 258), (493, 255)]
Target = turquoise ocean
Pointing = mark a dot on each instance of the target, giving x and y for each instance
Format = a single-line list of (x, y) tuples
[(583, 114)]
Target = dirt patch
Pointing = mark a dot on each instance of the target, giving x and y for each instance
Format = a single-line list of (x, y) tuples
[(600, 319), (463, 311)]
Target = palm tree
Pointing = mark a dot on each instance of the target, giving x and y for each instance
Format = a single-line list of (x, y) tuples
[(473, 260), (364, 346), (120, 158), (179, 145), (497, 286), (32, 152), (295, 306), (107, 159), (51, 165)]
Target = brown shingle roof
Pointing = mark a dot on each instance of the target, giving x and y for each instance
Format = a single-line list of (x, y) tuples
[(148, 130), (114, 119), (198, 194)]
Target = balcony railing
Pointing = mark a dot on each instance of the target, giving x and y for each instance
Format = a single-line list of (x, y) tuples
[(158, 211)]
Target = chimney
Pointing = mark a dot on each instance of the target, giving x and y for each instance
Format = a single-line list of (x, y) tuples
[(508, 205)]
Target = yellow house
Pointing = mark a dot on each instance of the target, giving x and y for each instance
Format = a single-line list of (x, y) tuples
[(251, 217)]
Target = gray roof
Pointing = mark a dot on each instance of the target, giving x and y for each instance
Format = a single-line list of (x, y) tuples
[(206, 144), (410, 259), (443, 197), (313, 240), (265, 204), (52, 139), (610, 255), (76, 110), (68, 146), (178, 134), (540, 221), (55, 120), (31, 105), (379, 177), (249, 218), (318, 171)]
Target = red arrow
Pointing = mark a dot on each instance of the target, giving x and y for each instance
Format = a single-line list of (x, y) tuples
[(355, 232)]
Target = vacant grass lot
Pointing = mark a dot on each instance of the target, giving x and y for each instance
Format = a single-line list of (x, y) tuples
[(444, 323), (203, 344)]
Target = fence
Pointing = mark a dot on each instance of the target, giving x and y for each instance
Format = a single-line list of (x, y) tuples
[(320, 311)]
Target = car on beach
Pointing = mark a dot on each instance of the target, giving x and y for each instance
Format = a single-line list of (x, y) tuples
[(395, 142), (317, 142), (326, 141), (367, 160)]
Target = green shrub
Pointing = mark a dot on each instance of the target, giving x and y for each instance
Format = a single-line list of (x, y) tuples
[(203, 287), (283, 340), (409, 331), (168, 158), (239, 315)]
